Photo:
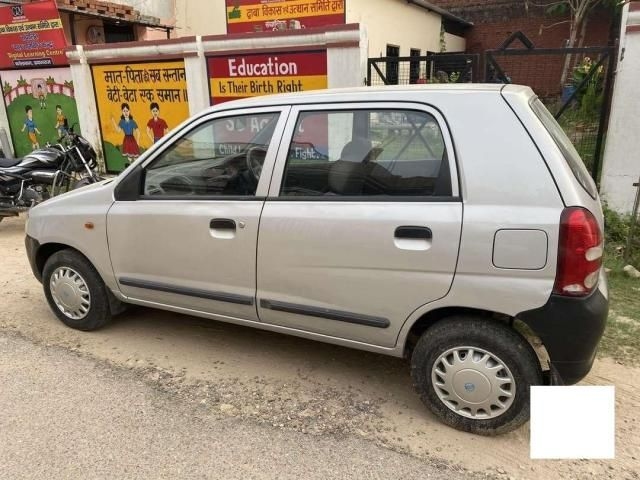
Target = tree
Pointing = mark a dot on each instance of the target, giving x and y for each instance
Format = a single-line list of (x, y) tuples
[(578, 11)]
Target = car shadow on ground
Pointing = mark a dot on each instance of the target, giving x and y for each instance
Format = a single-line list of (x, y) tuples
[(303, 383), (260, 349)]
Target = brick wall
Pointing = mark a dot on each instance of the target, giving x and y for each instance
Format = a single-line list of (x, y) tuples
[(495, 20), (540, 30), (477, 10)]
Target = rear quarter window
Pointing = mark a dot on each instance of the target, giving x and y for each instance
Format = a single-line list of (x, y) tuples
[(569, 152)]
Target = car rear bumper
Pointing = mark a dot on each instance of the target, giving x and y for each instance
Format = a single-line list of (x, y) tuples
[(570, 329), (32, 246)]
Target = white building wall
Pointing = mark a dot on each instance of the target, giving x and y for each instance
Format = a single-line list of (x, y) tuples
[(454, 43), (387, 22), (200, 17), (621, 165), (163, 9), (398, 23)]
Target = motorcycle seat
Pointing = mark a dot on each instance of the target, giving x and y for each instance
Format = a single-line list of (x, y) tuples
[(9, 162)]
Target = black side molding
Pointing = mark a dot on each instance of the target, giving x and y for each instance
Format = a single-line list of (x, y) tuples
[(367, 320), (190, 292)]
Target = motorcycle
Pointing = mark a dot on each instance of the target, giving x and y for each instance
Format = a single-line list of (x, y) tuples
[(46, 172)]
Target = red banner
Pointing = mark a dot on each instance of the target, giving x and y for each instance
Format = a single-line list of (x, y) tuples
[(240, 76), (245, 16), (31, 35)]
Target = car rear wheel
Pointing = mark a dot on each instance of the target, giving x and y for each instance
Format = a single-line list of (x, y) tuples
[(475, 374), (75, 291)]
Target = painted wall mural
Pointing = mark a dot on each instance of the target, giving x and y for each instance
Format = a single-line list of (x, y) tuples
[(137, 105), (40, 105)]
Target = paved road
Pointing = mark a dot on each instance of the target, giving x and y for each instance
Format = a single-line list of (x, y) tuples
[(63, 416)]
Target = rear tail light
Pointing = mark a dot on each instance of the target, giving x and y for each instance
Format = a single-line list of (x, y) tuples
[(579, 253)]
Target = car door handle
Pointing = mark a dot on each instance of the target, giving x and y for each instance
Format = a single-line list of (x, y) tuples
[(414, 233), (222, 224)]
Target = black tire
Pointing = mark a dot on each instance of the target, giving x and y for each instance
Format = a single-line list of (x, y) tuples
[(98, 313), (498, 340)]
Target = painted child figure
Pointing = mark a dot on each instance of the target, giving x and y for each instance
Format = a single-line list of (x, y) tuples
[(156, 126), (42, 98), (128, 126), (61, 122), (31, 127)]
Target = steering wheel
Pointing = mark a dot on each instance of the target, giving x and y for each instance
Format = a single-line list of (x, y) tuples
[(255, 160)]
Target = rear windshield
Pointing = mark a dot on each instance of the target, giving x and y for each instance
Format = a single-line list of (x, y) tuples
[(569, 152)]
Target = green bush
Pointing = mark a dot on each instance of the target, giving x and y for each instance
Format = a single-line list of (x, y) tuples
[(616, 226), (592, 93), (616, 234)]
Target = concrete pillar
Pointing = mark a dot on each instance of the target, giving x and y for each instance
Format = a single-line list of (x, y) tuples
[(621, 164), (195, 69), (86, 103), (4, 124), (347, 65)]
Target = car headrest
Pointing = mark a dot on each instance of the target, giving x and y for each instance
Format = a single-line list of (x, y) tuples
[(357, 150)]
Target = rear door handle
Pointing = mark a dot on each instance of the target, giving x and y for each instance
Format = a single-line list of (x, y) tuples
[(413, 233), (222, 224)]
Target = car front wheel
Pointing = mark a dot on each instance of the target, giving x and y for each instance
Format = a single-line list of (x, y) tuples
[(75, 291), (474, 374)]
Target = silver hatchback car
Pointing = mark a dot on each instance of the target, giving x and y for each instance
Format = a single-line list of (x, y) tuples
[(455, 226)]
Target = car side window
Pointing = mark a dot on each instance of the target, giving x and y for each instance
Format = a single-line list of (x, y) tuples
[(223, 156), (398, 153)]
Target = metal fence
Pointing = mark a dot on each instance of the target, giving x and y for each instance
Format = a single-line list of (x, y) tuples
[(430, 68), (574, 83)]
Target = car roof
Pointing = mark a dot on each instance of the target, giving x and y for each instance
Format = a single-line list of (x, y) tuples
[(376, 93)]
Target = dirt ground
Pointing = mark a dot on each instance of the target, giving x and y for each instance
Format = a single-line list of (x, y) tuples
[(290, 383)]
